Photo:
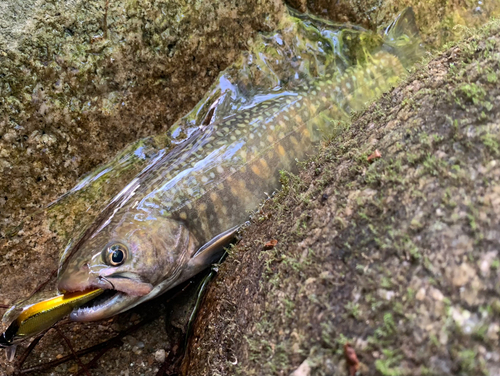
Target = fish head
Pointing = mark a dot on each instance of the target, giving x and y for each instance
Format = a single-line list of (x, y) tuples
[(134, 259)]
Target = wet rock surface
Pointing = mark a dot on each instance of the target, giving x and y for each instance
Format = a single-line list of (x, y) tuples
[(439, 21), (397, 256)]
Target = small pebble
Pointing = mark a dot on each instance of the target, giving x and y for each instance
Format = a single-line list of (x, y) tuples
[(436, 294), (303, 370), (420, 294), (385, 294), (73, 369), (160, 356)]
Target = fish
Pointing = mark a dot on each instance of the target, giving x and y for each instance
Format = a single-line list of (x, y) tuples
[(175, 221), (174, 218)]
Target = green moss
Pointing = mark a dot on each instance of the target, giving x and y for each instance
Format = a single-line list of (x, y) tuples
[(389, 365)]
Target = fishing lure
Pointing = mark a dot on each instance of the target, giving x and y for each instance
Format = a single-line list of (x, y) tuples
[(35, 318)]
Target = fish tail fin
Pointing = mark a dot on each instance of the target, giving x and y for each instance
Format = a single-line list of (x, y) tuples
[(402, 38)]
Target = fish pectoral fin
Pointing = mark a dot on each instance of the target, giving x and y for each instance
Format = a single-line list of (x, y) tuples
[(210, 251)]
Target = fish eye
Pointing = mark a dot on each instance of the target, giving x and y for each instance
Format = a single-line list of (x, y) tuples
[(115, 254)]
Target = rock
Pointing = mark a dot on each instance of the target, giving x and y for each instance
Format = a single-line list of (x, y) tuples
[(485, 262), (160, 355), (493, 332), (136, 350), (462, 274), (385, 294), (303, 370), (443, 291), (436, 294), (420, 295)]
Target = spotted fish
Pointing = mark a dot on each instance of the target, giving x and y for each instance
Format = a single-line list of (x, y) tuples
[(174, 218), (172, 222)]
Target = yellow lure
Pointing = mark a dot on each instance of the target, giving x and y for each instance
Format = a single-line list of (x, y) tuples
[(40, 316)]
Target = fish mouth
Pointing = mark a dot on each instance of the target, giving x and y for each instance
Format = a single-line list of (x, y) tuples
[(97, 308), (121, 292)]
